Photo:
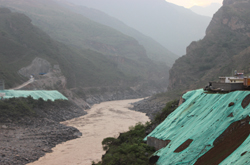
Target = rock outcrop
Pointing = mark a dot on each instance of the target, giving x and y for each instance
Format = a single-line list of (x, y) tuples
[(38, 66), (223, 49)]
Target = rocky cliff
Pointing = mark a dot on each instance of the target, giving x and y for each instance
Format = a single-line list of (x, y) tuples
[(224, 48)]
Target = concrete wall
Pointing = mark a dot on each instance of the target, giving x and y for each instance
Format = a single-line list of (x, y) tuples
[(228, 86), (156, 143)]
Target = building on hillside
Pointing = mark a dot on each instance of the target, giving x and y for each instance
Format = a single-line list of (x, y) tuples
[(228, 84)]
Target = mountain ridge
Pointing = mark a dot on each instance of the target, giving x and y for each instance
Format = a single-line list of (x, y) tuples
[(153, 18), (207, 10), (22, 42), (154, 50), (227, 35), (50, 18), (76, 72)]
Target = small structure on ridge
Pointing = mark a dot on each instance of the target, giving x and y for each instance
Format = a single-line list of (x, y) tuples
[(228, 84)]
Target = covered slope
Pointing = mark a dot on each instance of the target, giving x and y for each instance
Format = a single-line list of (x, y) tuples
[(37, 94), (206, 129)]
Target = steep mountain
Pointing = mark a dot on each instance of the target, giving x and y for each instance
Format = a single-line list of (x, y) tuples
[(21, 43), (154, 50), (172, 26), (119, 61), (207, 10), (224, 48), (76, 30), (26, 50)]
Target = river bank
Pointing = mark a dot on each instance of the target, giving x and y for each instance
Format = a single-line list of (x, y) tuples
[(150, 106), (25, 139), (107, 119)]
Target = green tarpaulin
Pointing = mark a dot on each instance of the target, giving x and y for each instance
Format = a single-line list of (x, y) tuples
[(202, 117), (36, 94)]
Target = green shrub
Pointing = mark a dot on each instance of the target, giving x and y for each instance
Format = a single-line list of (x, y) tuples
[(17, 108), (128, 148)]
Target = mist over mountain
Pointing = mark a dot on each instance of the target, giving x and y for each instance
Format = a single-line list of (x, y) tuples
[(89, 55), (172, 26), (76, 30), (207, 10), (21, 43), (154, 50)]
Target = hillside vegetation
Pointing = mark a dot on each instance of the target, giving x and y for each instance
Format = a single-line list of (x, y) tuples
[(21, 42), (94, 56), (129, 147)]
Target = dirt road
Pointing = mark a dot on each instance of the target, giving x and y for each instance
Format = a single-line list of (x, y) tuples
[(107, 119)]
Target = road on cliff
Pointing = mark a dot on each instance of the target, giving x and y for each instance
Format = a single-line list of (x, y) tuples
[(107, 119)]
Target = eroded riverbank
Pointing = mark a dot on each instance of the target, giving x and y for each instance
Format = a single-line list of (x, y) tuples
[(106, 119), (25, 137)]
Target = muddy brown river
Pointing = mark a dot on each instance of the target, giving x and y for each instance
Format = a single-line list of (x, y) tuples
[(106, 119)]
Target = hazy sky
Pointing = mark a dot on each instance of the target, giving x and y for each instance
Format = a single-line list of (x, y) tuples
[(190, 3)]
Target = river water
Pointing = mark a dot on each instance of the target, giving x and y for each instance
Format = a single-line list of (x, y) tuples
[(106, 119)]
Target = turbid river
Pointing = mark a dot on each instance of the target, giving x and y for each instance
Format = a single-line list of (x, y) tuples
[(107, 119)]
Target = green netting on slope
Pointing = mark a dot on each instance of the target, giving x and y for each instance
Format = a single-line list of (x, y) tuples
[(236, 158), (36, 94), (202, 117)]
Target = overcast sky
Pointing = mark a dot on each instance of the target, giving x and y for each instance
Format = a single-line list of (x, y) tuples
[(190, 3)]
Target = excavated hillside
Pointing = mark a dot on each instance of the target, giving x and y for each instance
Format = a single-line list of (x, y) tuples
[(205, 129), (224, 48)]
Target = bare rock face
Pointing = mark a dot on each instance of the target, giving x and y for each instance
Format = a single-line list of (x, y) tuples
[(228, 2), (46, 76), (235, 23), (38, 66), (225, 47), (192, 46)]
